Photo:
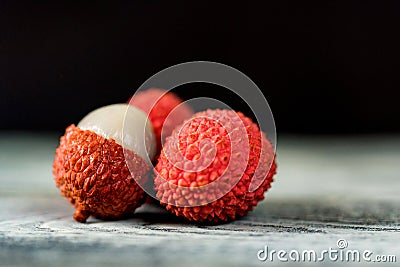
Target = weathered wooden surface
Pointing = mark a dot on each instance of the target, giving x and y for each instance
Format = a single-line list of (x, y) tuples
[(327, 189)]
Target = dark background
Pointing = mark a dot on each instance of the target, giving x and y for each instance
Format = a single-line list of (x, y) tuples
[(325, 67)]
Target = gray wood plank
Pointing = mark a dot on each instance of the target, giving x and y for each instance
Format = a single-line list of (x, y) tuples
[(327, 189)]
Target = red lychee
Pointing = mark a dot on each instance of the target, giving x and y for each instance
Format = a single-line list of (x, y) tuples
[(215, 167), (165, 111), (98, 164)]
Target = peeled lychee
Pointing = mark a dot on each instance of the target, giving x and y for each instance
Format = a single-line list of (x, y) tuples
[(165, 111), (98, 163), (215, 167)]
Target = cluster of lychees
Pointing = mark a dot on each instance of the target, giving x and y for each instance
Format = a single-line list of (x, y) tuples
[(213, 166)]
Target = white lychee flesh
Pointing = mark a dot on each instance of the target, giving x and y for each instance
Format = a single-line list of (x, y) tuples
[(127, 125)]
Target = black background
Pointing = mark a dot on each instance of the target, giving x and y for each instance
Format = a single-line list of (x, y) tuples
[(325, 67)]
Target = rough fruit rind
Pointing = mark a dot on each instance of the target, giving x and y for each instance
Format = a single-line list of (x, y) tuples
[(92, 174), (235, 203), (159, 104)]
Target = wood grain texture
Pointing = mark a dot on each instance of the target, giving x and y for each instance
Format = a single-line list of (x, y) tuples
[(326, 189)]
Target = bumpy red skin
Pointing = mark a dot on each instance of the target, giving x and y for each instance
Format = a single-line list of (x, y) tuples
[(158, 105), (239, 200), (91, 173)]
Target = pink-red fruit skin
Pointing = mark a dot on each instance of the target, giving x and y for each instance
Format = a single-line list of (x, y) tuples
[(158, 105), (92, 174), (238, 201)]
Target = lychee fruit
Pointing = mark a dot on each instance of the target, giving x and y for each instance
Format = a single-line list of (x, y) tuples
[(100, 162), (215, 167), (165, 111)]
